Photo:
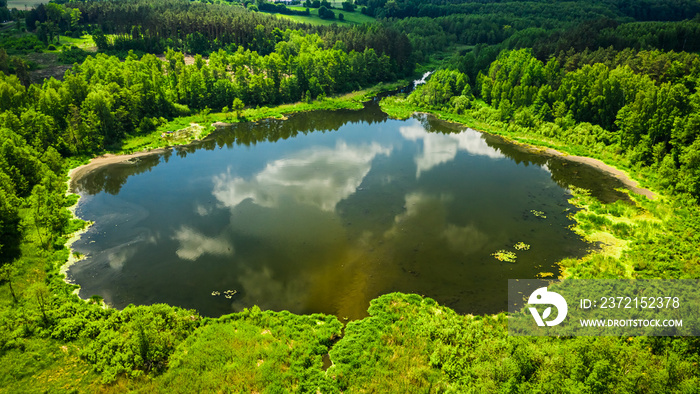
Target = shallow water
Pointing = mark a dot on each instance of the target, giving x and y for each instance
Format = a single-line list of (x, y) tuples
[(324, 212)]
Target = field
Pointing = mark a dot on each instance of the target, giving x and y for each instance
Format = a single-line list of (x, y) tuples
[(22, 4), (351, 18), (85, 42)]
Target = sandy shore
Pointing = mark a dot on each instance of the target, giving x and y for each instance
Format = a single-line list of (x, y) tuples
[(109, 158), (619, 174)]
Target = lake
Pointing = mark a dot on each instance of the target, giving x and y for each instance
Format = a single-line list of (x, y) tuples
[(324, 212)]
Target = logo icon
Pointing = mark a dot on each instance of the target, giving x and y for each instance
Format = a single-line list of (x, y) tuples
[(543, 297)]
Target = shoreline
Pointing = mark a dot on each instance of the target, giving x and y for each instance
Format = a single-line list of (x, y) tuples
[(72, 257), (622, 176), (615, 172), (108, 158), (113, 158), (279, 112), (77, 173)]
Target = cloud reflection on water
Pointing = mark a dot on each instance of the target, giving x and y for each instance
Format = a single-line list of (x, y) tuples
[(425, 221), (321, 177), (442, 148), (194, 244)]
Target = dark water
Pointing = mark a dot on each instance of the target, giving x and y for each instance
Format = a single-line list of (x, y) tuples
[(324, 212)]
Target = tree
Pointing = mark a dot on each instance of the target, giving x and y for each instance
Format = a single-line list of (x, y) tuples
[(75, 15), (21, 70), (46, 213), (54, 12), (325, 13), (41, 294), (6, 273), (10, 230), (37, 15), (100, 40), (237, 107)]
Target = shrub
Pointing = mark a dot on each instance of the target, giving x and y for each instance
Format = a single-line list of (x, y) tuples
[(325, 13), (181, 110), (348, 6), (138, 339), (72, 55)]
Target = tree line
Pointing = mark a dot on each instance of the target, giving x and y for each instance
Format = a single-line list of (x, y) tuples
[(103, 99), (638, 10)]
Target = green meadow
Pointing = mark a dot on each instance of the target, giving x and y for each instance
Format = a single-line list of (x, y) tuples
[(351, 18)]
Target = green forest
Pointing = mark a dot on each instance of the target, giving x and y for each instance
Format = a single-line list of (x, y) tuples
[(615, 80)]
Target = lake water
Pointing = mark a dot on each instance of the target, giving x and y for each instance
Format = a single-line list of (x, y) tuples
[(324, 212)]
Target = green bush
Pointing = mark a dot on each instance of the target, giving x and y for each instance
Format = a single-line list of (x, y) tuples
[(20, 45), (138, 340), (181, 110), (72, 55)]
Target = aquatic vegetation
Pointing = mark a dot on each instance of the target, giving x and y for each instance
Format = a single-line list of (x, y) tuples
[(227, 293), (505, 256), (521, 246), (538, 214)]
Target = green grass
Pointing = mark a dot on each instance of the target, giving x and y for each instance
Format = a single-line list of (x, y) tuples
[(84, 42), (48, 364), (253, 351), (411, 344), (351, 18)]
